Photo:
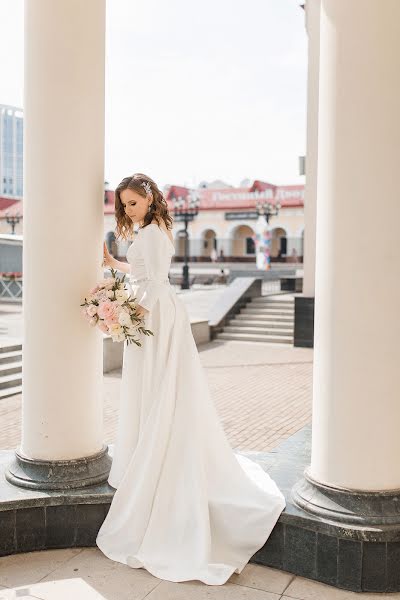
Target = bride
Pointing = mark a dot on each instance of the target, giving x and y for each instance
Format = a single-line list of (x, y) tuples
[(186, 506)]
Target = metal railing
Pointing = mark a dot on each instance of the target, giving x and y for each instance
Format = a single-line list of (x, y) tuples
[(10, 288)]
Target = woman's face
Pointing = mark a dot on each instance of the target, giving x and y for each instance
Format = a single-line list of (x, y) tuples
[(135, 205)]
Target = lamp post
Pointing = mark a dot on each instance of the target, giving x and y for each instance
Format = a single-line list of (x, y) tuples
[(13, 220), (265, 211), (106, 189), (185, 209)]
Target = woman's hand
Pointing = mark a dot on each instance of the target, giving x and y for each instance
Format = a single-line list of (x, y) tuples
[(107, 258)]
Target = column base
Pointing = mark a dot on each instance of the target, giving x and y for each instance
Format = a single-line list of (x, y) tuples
[(349, 507), (303, 322), (36, 474)]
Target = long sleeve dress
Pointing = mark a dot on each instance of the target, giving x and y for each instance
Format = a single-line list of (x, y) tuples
[(186, 506)]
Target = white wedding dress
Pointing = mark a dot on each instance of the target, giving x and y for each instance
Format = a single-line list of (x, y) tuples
[(186, 506)]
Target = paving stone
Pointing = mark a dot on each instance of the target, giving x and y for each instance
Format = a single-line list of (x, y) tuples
[(260, 403)]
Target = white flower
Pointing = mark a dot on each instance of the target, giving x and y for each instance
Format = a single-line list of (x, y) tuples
[(115, 329), (121, 296), (92, 310), (118, 338), (124, 318), (110, 294)]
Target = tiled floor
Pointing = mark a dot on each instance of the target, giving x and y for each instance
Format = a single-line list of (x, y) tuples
[(262, 393), (86, 574)]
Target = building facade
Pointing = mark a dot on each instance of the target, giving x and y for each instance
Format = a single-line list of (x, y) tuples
[(226, 222), (11, 151)]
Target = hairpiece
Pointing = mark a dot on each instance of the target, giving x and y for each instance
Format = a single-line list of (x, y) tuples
[(147, 187)]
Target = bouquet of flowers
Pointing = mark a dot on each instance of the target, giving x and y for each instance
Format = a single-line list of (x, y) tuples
[(110, 306)]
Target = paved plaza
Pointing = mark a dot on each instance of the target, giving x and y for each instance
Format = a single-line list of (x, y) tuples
[(86, 574), (262, 393)]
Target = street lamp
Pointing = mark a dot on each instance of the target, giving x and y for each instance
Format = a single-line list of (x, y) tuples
[(13, 220), (106, 189), (265, 211), (185, 209)]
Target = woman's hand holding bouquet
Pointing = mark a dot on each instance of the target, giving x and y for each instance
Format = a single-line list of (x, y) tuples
[(110, 306)]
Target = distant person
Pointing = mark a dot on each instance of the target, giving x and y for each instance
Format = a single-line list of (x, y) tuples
[(221, 255), (213, 255), (222, 277), (294, 255)]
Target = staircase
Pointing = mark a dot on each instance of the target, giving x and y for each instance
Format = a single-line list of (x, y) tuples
[(10, 369), (264, 319)]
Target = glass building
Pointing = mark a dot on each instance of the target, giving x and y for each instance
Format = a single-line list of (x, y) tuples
[(11, 150)]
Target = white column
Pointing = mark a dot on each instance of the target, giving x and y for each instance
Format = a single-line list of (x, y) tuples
[(356, 408), (310, 199), (62, 227)]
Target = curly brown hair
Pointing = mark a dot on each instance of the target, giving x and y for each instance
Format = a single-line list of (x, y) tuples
[(158, 207)]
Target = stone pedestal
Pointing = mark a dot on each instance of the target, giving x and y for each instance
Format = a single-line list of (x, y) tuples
[(303, 321)]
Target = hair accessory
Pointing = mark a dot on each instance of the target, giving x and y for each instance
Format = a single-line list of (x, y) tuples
[(147, 187)]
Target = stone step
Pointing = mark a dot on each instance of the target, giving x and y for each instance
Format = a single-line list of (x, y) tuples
[(12, 380), (276, 303), (10, 391), (257, 316), (268, 311), (10, 348), (253, 337), (261, 324), (7, 357), (258, 330), (271, 307), (11, 368)]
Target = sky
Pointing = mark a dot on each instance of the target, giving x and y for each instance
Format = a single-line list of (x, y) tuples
[(194, 91)]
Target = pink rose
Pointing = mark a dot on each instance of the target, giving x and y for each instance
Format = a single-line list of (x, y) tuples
[(112, 318), (105, 309)]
